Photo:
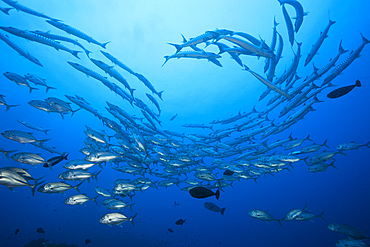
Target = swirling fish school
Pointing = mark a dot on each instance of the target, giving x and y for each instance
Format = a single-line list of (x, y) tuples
[(162, 158)]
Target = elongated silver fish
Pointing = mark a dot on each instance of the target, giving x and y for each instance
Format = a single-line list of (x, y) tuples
[(25, 9), (71, 30), (346, 62), (40, 39), (34, 127), (318, 43), (289, 25), (267, 83), (19, 49)]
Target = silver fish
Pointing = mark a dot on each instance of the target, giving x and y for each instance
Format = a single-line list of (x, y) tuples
[(115, 219)]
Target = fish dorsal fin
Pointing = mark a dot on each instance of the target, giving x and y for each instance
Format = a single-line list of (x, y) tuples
[(183, 39)]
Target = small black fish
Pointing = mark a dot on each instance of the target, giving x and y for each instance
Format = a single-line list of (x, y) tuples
[(170, 230), (87, 241), (55, 160), (339, 92), (180, 222), (201, 192), (228, 172), (176, 204), (172, 118), (16, 231), (40, 230)]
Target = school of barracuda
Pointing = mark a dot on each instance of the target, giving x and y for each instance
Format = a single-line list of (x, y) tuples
[(161, 158)]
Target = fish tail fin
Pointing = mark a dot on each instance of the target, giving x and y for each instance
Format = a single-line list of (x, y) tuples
[(99, 164), (78, 185), (10, 106), (94, 199), (341, 152), (8, 152), (87, 53), (43, 140), (73, 112), (132, 91), (46, 131), (178, 47), (65, 155), (341, 50), (95, 175), (331, 22), (222, 210), (6, 10), (364, 40), (33, 187), (308, 138), (104, 44), (217, 194), (290, 137), (75, 53), (305, 159), (320, 215), (222, 49), (37, 179), (166, 59), (332, 164), (132, 219), (160, 94), (47, 88), (33, 88), (324, 144), (279, 221), (275, 23), (130, 206), (367, 144)]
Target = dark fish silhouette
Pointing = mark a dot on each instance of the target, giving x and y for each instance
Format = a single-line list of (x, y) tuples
[(176, 204), (339, 92), (213, 207), (201, 192), (228, 172), (172, 118), (55, 160), (180, 222), (170, 230), (16, 231), (87, 241), (40, 230)]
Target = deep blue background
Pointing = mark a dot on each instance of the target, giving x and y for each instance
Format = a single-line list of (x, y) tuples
[(199, 92)]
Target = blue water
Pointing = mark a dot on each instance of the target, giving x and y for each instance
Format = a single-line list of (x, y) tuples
[(199, 92)]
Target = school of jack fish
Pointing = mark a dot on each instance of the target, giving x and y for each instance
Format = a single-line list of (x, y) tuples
[(162, 158)]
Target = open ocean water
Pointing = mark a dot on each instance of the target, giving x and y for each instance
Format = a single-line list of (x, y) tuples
[(199, 92)]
